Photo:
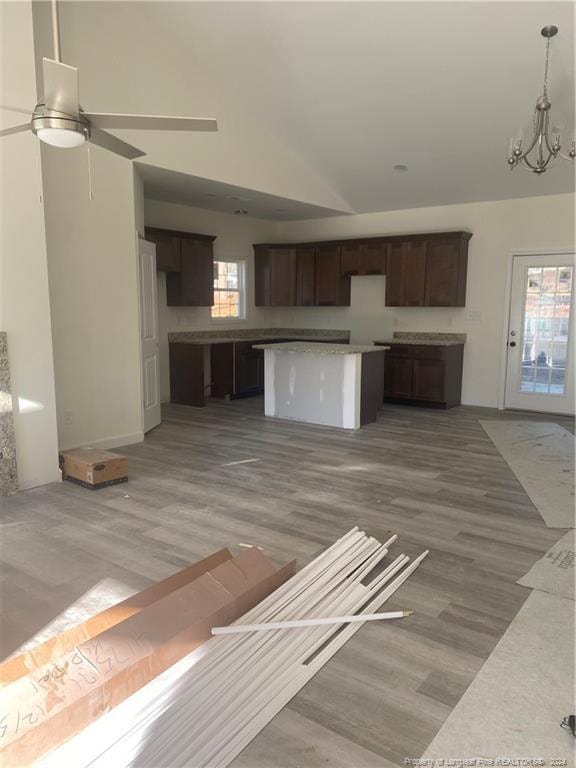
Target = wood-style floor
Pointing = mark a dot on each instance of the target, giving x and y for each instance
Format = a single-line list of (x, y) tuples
[(432, 477)]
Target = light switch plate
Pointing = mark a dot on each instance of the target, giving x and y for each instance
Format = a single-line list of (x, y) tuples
[(473, 315)]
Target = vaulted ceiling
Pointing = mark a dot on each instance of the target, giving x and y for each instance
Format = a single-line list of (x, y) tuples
[(317, 101)]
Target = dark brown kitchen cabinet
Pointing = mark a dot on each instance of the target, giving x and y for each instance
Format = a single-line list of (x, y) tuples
[(332, 287), (406, 274), (422, 270), (188, 260), (446, 267), (275, 276), (422, 374), (366, 258), (302, 276), (397, 377), (305, 277), (193, 286), (428, 272), (168, 253), (248, 369)]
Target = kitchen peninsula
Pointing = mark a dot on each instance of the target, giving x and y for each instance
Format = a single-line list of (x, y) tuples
[(224, 363), (338, 385)]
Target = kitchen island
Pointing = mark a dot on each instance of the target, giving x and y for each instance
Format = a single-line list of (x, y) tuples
[(338, 385)]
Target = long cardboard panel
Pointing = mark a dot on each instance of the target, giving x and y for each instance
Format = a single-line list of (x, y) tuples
[(18, 666), (58, 699)]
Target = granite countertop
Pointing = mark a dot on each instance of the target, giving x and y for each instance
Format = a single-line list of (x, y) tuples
[(426, 339), (257, 334), (318, 348)]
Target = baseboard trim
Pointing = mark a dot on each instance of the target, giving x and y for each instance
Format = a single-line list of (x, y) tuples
[(108, 442)]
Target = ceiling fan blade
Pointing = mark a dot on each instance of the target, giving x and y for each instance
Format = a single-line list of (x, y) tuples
[(11, 108), (151, 122), (119, 147), (15, 129), (61, 87)]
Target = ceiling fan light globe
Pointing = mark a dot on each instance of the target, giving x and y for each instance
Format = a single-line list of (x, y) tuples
[(61, 137)]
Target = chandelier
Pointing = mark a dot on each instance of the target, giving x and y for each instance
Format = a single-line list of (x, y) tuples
[(544, 145)]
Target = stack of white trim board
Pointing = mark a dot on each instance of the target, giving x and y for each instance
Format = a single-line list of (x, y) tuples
[(208, 705)]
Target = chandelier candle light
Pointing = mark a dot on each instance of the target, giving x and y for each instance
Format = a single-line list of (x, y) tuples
[(543, 148)]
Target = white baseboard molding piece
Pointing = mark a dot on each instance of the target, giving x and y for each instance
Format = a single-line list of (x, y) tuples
[(236, 629)]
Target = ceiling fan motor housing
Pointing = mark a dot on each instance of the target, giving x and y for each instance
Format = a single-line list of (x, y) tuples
[(58, 128)]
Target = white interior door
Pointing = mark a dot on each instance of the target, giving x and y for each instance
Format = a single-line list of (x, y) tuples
[(540, 357), (149, 335)]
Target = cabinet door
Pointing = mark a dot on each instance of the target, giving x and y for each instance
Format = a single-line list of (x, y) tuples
[(168, 255), (197, 273), (443, 274), (305, 277), (248, 368), (429, 380), (374, 258), (406, 274), (397, 377), (221, 369), (332, 288), (352, 258), (395, 276), (282, 277), (261, 276), (167, 249)]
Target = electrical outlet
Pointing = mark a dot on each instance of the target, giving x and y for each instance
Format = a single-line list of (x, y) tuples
[(474, 315), (68, 418)]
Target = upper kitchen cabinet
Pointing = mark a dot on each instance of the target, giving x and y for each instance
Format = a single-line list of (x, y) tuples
[(275, 276), (167, 249), (422, 270), (188, 260), (300, 276), (406, 274), (446, 269), (332, 287), (364, 258), (429, 271), (305, 277)]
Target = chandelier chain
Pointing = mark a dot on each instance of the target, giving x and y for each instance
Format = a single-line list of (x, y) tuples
[(546, 68)]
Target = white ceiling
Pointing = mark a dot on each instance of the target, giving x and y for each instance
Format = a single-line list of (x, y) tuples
[(172, 187), (354, 88)]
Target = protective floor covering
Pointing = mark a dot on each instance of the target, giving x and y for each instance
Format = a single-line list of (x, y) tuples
[(554, 573), (514, 706), (541, 455)]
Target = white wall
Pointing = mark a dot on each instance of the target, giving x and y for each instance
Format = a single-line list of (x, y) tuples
[(93, 275), (499, 228), (24, 301), (235, 236)]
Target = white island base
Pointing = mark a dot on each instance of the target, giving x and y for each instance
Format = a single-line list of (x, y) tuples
[(338, 385)]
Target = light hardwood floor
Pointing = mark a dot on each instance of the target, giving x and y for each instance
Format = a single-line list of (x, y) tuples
[(432, 477)]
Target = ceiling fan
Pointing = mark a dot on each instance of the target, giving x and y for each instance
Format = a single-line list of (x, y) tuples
[(60, 120)]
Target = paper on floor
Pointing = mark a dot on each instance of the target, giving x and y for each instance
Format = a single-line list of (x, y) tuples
[(541, 455), (554, 573)]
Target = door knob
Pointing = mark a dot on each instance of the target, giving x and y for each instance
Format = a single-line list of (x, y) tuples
[(512, 343)]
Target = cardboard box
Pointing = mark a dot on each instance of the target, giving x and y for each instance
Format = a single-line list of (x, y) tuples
[(50, 704), (30, 660), (93, 468)]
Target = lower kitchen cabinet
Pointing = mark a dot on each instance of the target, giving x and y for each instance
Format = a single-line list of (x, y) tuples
[(248, 369), (421, 374)]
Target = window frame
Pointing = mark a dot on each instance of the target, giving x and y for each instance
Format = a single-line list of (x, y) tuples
[(241, 290)]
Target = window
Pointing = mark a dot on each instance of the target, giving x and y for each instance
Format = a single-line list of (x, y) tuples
[(228, 290)]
